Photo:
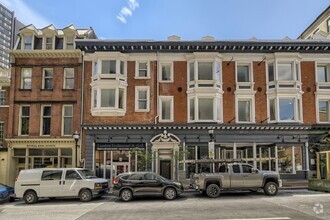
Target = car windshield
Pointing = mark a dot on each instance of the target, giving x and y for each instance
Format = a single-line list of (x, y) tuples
[(87, 174)]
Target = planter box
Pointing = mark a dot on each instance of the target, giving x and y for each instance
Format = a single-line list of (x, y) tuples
[(319, 185)]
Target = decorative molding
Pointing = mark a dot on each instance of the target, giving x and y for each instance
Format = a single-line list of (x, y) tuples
[(46, 53), (165, 138)]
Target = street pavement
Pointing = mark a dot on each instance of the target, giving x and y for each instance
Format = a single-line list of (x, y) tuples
[(288, 204)]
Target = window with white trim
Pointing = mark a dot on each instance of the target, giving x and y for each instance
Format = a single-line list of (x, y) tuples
[(244, 76), (69, 42), (283, 71), (204, 74), (47, 78), (2, 125), (67, 120), (244, 110), (24, 120), (142, 98), (68, 78), (323, 73), (46, 112), (27, 41), (2, 97), (284, 109), (109, 101), (166, 71), (26, 78), (204, 109), (166, 108), (49, 43), (323, 111), (108, 66), (142, 69)]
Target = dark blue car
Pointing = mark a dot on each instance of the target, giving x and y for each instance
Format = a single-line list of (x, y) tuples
[(6, 193)]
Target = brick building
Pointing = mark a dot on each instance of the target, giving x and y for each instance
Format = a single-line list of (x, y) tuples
[(261, 102), (45, 99)]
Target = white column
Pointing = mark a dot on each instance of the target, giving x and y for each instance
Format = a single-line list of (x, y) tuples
[(156, 161), (184, 155), (254, 155), (93, 165), (293, 161), (136, 162), (152, 161), (276, 158), (104, 163), (307, 156), (234, 151)]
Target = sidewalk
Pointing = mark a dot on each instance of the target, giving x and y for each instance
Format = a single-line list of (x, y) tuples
[(295, 184)]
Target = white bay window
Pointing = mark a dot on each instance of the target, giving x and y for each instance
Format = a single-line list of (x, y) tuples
[(285, 109), (205, 109), (323, 113)]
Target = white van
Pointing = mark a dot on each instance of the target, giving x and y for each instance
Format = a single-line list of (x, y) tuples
[(59, 182)]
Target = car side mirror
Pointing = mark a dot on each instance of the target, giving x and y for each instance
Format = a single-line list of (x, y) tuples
[(254, 170)]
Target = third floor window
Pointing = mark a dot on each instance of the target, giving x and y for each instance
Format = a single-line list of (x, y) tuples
[(323, 73), (47, 78), (68, 78), (26, 78)]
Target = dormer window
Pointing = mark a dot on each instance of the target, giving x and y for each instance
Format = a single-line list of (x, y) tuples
[(49, 43), (69, 42), (27, 42)]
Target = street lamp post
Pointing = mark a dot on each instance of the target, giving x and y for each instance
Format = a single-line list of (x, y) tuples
[(76, 136), (211, 147)]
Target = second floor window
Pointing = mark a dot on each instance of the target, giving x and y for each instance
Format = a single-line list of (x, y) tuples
[(67, 120), (142, 99), (68, 78), (166, 109), (48, 78), (2, 97), (26, 78), (25, 120), (46, 120), (285, 109), (244, 110), (324, 111), (323, 74)]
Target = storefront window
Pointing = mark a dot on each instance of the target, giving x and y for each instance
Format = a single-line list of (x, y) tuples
[(191, 153), (323, 165), (285, 161)]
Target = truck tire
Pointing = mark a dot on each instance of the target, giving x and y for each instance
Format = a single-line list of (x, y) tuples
[(213, 191), (85, 195), (271, 189)]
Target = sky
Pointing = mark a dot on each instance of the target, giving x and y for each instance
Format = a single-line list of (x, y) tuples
[(189, 19)]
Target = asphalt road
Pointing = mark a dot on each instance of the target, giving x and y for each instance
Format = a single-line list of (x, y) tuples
[(288, 204)]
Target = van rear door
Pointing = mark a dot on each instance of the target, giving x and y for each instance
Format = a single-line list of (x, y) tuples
[(71, 183), (51, 183)]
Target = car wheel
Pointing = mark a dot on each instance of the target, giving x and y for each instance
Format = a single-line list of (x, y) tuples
[(126, 195), (170, 193), (213, 190), (85, 195), (30, 197), (271, 189)]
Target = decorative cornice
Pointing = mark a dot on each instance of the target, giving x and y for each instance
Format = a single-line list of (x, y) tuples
[(201, 127), (248, 46), (165, 138), (40, 140), (46, 53)]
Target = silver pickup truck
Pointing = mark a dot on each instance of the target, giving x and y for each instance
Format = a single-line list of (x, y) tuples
[(236, 176)]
